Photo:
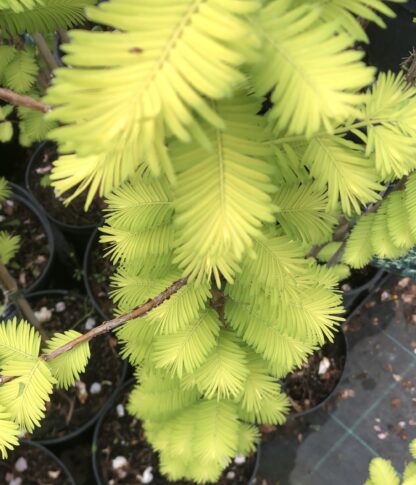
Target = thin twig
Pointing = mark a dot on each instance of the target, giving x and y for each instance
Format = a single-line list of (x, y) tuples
[(109, 325), (20, 100), (44, 51), (10, 285)]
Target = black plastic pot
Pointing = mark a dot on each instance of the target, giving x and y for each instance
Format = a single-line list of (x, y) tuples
[(77, 230), (23, 197), (341, 348), (353, 297), (82, 429), (86, 275), (95, 459), (68, 479)]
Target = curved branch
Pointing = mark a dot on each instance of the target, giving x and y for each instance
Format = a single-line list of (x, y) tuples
[(21, 100), (109, 325)]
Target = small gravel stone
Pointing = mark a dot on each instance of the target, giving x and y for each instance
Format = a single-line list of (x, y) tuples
[(90, 323), (43, 315), (119, 462), (230, 475), (82, 393), (385, 296), (147, 476), (95, 388), (239, 459), (21, 465), (120, 411), (54, 474), (382, 436), (16, 481), (324, 365), (60, 306)]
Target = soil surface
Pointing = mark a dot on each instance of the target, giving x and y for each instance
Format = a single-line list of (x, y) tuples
[(358, 277), (316, 379), (36, 468), (17, 219), (70, 410), (99, 271), (40, 185), (123, 436)]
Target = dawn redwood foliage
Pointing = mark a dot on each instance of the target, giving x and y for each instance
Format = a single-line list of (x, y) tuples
[(159, 112)]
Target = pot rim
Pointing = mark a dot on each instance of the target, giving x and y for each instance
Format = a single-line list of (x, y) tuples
[(85, 272), (23, 197), (52, 456)]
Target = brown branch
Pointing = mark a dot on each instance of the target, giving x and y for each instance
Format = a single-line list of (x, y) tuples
[(21, 100), (109, 325), (10, 285), (44, 51)]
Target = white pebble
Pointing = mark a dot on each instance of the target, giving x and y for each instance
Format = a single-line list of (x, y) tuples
[(60, 306), (21, 465), (16, 481), (119, 462), (324, 365), (230, 475), (43, 315), (239, 459), (95, 388), (2, 218), (382, 436), (385, 296), (120, 410), (147, 476), (90, 323)]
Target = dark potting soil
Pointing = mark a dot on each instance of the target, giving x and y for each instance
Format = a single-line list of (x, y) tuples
[(70, 410), (123, 436), (32, 256), (307, 387), (40, 185), (41, 468), (100, 269), (358, 278)]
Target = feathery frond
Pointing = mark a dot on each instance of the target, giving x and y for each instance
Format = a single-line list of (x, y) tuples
[(217, 432), (45, 16), (357, 250), (33, 126), (390, 109), (9, 432), (5, 190), (222, 195), (346, 14), (382, 472), (25, 397), (397, 220), (149, 80), (261, 396), (301, 211), (9, 245), (188, 349), (410, 202), (157, 397), (311, 68), (224, 372), (18, 339), (21, 71), (341, 166), (67, 367), (19, 5)]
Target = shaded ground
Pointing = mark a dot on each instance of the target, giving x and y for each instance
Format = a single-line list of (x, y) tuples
[(373, 412)]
